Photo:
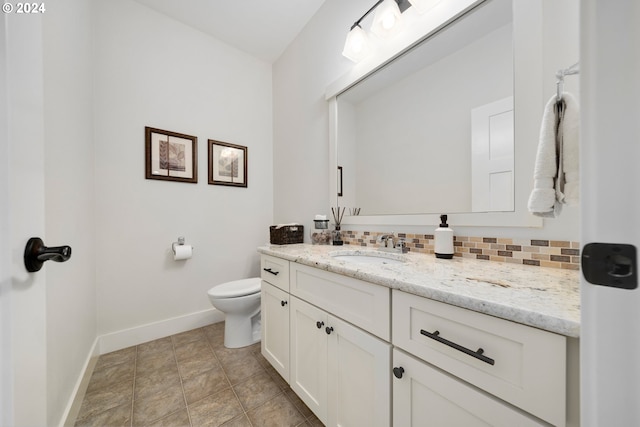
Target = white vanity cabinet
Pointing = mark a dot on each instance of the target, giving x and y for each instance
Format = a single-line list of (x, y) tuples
[(338, 370), (358, 354), (425, 396), (328, 336), (514, 365), (274, 306)]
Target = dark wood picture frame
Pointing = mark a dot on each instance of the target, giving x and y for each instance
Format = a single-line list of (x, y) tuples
[(227, 164), (170, 156)]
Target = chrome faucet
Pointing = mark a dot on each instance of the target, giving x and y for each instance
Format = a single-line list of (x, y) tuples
[(388, 243), (386, 240)]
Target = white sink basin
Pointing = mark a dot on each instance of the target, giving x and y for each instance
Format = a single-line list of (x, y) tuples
[(370, 259)]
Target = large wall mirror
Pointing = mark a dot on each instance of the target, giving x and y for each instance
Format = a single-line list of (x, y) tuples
[(448, 126)]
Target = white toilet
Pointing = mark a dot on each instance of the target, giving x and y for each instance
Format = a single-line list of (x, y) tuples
[(240, 302)]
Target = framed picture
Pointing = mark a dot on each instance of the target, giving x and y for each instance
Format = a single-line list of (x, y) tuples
[(170, 156), (227, 164)]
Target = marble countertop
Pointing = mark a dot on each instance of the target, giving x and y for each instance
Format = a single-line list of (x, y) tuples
[(545, 298)]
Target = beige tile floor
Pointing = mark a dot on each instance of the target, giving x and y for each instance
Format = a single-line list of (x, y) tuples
[(190, 379)]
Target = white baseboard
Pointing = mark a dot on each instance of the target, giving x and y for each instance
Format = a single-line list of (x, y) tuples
[(152, 331), (73, 407)]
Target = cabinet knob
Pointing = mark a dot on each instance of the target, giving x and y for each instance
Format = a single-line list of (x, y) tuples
[(283, 303), (319, 324), (328, 329), (397, 372)]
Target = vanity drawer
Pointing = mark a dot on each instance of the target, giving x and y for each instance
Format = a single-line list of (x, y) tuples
[(360, 303), (522, 365), (275, 271)]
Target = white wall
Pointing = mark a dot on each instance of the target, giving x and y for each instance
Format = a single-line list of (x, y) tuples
[(314, 60), (69, 197), (154, 71), (301, 124)]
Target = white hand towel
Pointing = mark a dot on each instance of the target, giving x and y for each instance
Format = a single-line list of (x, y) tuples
[(292, 224), (571, 149), (556, 174), (542, 201)]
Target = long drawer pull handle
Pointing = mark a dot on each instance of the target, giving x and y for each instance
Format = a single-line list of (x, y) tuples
[(268, 270), (477, 354)]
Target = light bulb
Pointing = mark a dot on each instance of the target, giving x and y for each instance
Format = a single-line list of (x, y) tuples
[(387, 20), (356, 46)]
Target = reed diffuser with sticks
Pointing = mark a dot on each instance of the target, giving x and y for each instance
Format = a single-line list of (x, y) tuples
[(338, 213)]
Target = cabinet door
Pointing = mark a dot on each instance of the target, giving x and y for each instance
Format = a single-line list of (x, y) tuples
[(309, 356), (425, 396), (359, 377), (275, 328)]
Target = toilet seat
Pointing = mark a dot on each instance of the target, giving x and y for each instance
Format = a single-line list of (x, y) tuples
[(237, 288)]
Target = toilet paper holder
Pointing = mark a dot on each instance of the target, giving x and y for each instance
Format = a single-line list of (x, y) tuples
[(180, 242)]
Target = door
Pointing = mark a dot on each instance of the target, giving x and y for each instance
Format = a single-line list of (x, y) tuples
[(275, 328), (610, 209), (492, 157), (359, 379), (22, 295), (425, 396), (308, 374)]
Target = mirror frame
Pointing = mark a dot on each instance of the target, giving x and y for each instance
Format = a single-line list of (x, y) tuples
[(528, 107)]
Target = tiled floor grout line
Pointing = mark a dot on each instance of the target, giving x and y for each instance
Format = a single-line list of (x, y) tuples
[(242, 405), (184, 395), (244, 410), (133, 391), (283, 392)]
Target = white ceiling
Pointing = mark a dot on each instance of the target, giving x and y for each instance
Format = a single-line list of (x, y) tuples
[(262, 28)]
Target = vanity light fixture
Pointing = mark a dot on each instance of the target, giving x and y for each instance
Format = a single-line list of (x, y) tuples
[(387, 22)]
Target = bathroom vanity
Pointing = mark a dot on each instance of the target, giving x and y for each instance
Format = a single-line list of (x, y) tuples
[(369, 338)]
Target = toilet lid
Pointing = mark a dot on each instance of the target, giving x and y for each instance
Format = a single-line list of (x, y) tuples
[(237, 288)]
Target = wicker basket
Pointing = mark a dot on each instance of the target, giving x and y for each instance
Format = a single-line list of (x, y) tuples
[(286, 235)]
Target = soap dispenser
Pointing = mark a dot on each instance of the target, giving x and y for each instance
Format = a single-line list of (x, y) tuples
[(443, 240)]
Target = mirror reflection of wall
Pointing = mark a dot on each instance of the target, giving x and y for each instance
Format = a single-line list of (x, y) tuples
[(405, 135)]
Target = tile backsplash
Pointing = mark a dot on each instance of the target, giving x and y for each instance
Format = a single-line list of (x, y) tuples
[(543, 253)]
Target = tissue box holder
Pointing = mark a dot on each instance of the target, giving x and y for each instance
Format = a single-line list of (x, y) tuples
[(286, 235)]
